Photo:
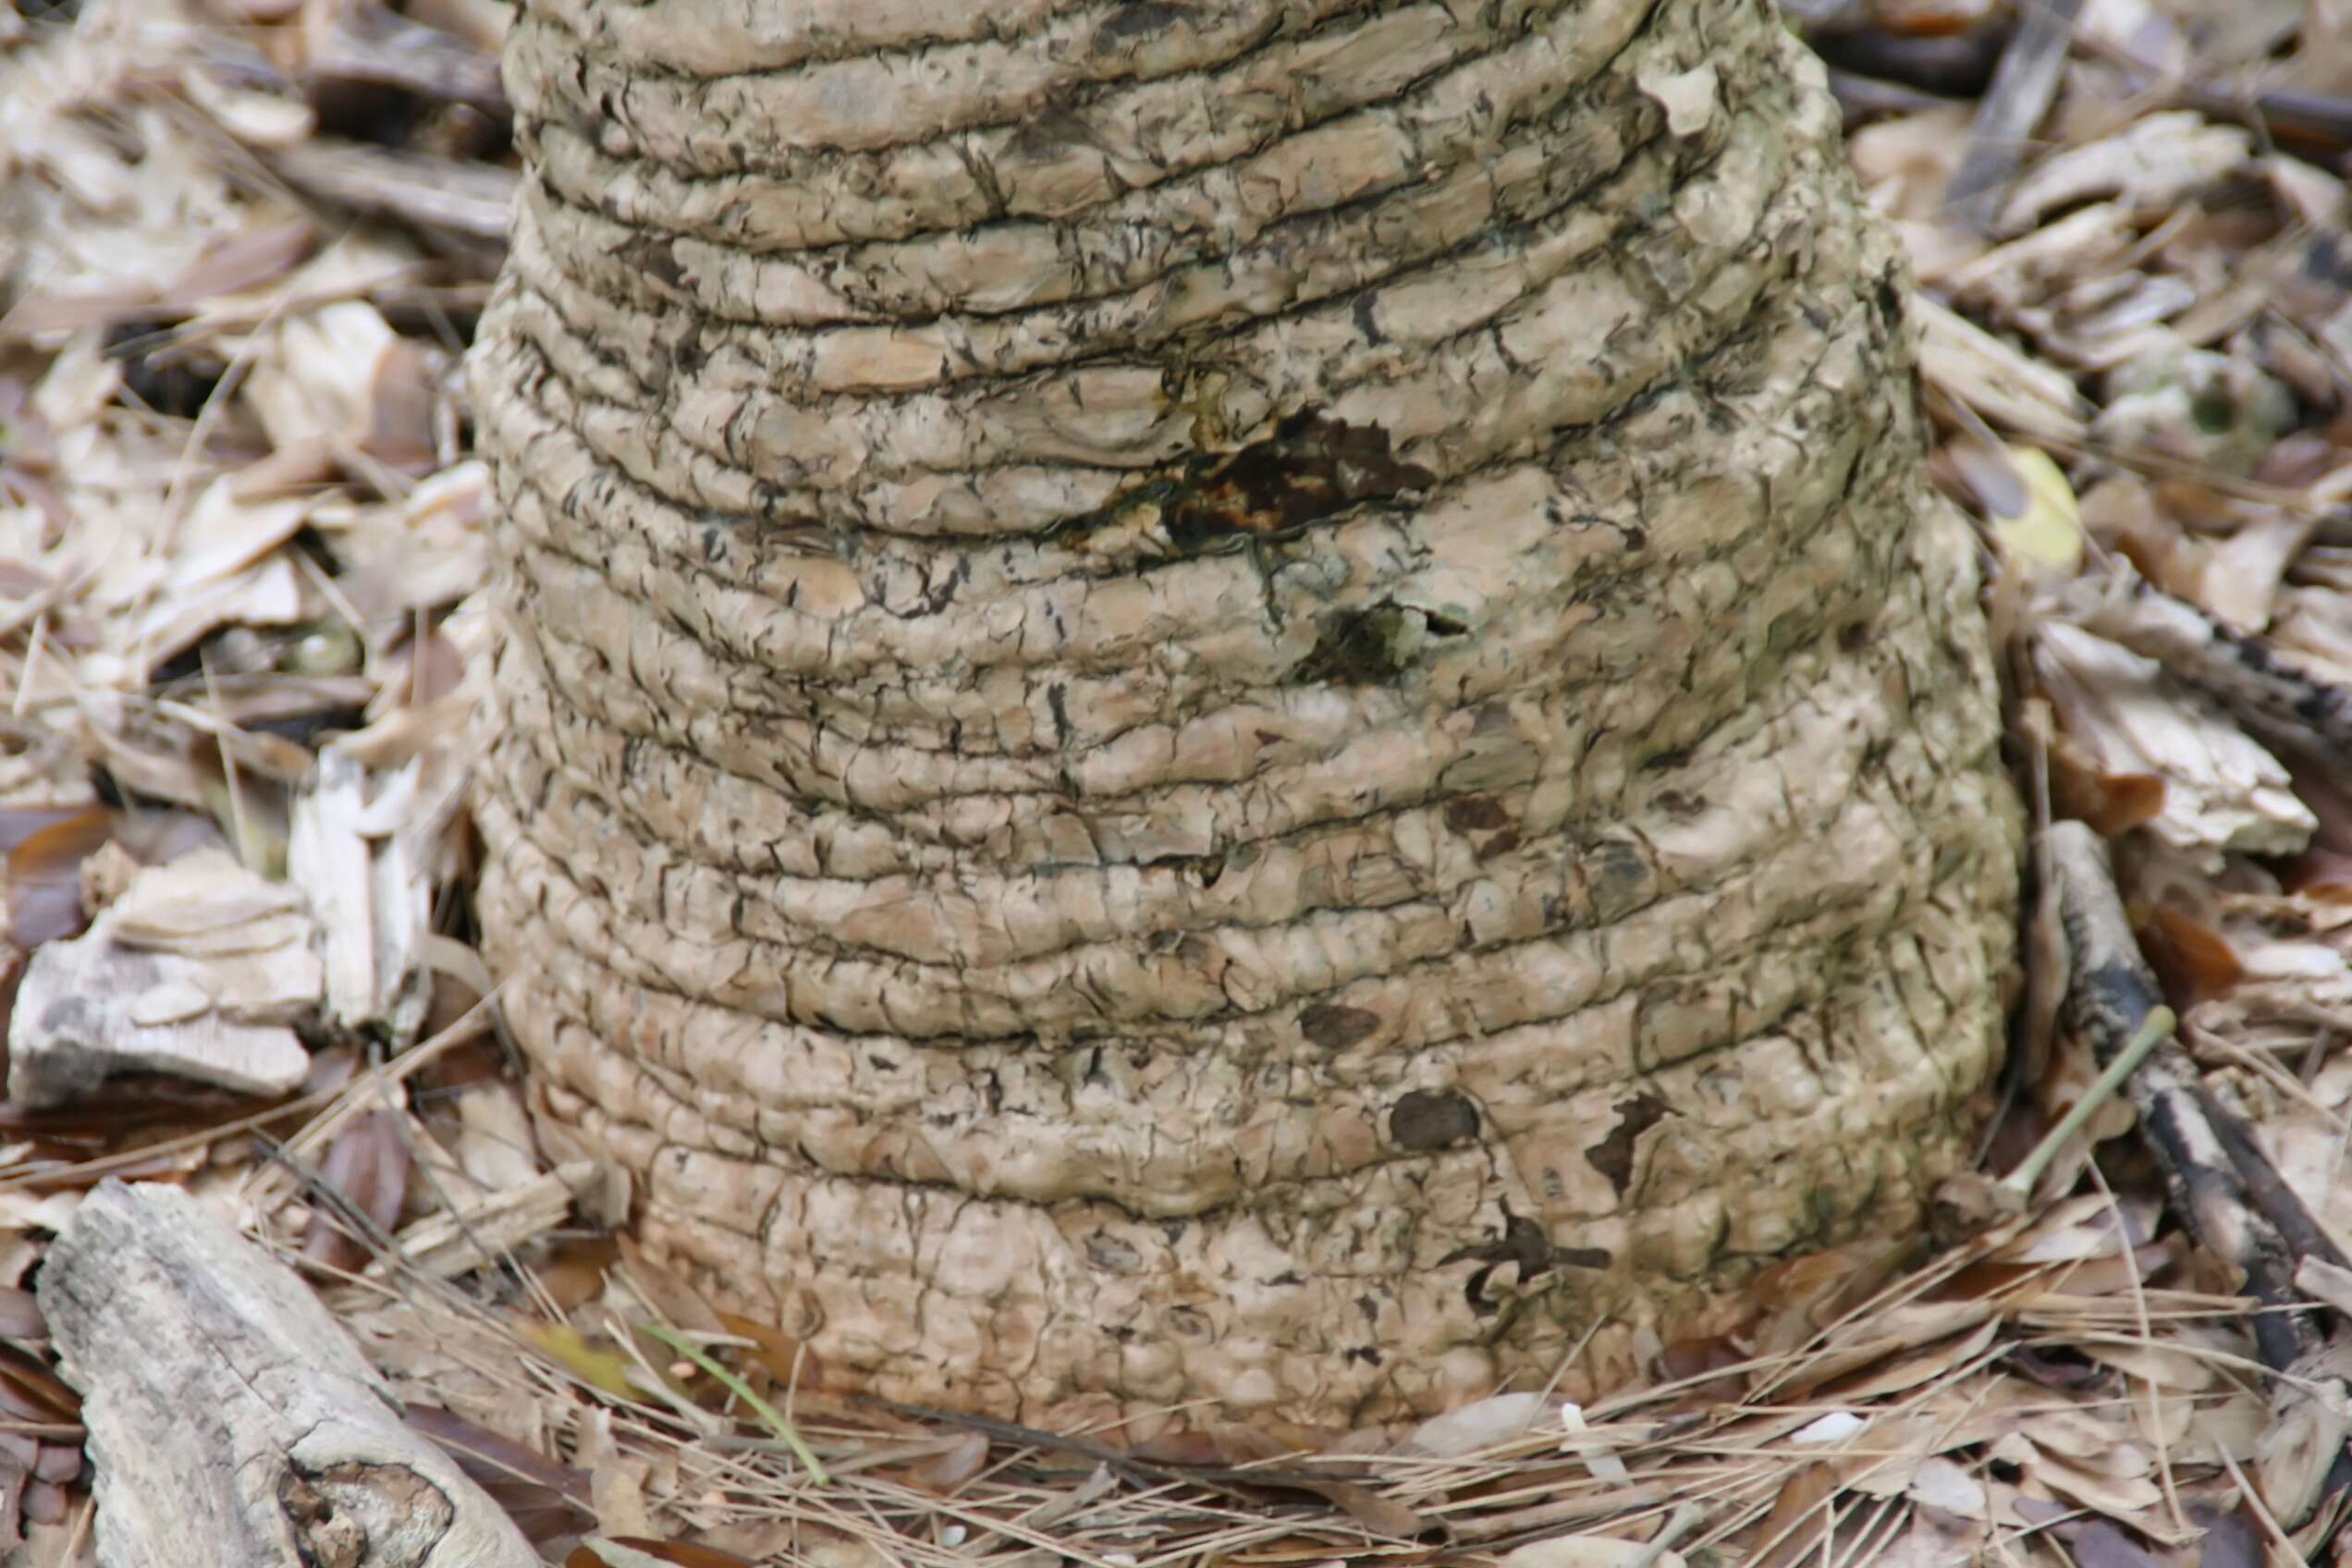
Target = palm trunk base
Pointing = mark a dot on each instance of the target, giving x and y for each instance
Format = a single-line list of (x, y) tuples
[(1260, 710)]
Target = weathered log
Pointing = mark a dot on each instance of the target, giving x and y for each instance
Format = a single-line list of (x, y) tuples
[(231, 1421)]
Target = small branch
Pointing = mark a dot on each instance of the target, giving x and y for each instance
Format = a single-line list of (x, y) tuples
[(469, 204), (2223, 1186)]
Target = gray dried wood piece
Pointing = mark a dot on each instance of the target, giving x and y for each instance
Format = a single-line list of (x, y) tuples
[(231, 1421), (372, 896), (458, 1241), (2022, 88), (374, 44), (470, 201), (84, 1025)]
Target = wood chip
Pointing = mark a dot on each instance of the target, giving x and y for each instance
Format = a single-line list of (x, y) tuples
[(447, 1245), (196, 971)]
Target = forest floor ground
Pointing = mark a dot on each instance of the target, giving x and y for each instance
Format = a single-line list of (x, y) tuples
[(241, 545)]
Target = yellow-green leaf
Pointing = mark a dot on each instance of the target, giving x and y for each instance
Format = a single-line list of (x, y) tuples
[(2046, 533), (563, 1344)]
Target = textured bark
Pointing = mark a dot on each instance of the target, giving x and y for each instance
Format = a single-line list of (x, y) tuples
[(1249, 701)]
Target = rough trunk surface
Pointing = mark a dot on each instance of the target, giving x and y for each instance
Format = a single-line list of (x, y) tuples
[(1247, 700)]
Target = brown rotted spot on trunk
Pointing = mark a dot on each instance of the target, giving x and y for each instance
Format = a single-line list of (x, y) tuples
[(1501, 843), (1482, 821), (1312, 467), (1334, 1027), (1055, 133), (1432, 1119), (1524, 1247), (1613, 1155), (355, 1511), (1475, 813)]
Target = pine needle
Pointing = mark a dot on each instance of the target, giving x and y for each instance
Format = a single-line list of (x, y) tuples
[(742, 1391)]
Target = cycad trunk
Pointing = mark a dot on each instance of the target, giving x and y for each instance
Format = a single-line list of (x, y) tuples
[(1251, 700)]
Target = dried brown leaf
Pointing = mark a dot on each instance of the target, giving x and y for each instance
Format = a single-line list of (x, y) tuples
[(545, 1499), (1892, 1333), (36, 1394), (2099, 1544), (1588, 1551), (2076, 1435), (2319, 873), (367, 1166), (2224, 792), (616, 1479), (2194, 960), (1486, 1424), (21, 1315), (261, 252), (2112, 803), (44, 871), (1942, 1484), (2116, 1275), (575, 1273), (789, 1361), (1691, 1361), (2232, 1540), (14, 1477), (1990, 472), (946, 1471), (1800, 1518), (1910, 1372), (1381, 1515), (2119, 1497)]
